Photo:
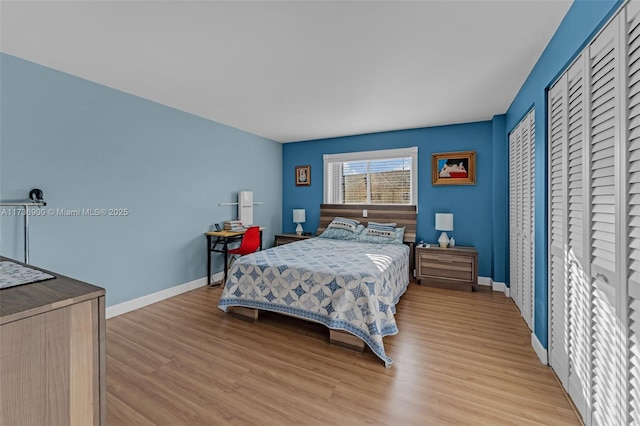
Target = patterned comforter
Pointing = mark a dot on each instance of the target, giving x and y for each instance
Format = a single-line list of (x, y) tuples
[(345, 285)]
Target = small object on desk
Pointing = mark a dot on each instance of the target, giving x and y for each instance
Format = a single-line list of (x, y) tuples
[(13, 274), (233, 226), (452, 242), (217, 227)]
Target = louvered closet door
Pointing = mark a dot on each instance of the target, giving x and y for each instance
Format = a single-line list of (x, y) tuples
[(607, 338), (513, 223), (633, 211), (570, 288), (603, 224), (526, 277), (578, 284), (529, 230), (515, 182), (558, 351), (521, 206), (519, 220)]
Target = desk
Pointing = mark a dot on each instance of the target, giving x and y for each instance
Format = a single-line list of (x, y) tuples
[(222, 238)]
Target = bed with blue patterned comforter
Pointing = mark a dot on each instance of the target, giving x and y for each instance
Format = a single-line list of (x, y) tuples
[(345, 285)]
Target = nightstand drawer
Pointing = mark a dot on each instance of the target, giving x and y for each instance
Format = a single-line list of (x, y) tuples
[(449, 270), (455, 267), (437, 257), (282, 239)]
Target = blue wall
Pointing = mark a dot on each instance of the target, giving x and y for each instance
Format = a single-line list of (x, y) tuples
[(584, 19), (88, 146), (472, 205)]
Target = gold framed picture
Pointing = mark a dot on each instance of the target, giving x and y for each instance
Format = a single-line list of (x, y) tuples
[(453, 168), (303, 175)]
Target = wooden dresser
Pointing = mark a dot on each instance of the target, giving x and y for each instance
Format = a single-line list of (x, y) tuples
[(455, 267), (282, 239), (52, 353)]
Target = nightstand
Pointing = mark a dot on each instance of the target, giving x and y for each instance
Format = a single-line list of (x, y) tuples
[(282, 239), (455, 267)]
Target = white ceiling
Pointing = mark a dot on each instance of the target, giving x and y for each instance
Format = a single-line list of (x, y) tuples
[(296, 70)]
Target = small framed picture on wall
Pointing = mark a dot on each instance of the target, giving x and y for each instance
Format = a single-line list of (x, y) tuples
[(453, 168), (303, 175)]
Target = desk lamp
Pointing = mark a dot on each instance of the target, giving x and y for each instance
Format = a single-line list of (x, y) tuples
[(444, 222), (299, 217)]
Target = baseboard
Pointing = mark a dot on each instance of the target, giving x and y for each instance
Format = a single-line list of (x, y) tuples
[(484, 281), (501, 287), (141, 302), (539, 349), (495, 286)]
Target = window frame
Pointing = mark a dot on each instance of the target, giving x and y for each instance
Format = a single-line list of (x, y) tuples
[(383, 154)]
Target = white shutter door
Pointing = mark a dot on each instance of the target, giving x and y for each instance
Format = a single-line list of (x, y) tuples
[(521, 218), (513, 223), (579, 287), (558, 352), (530, 231), (633, 210), (519, 257), (525, 240), (607, 336)]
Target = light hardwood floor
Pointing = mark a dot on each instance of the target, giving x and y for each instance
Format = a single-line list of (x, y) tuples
[(460, 358)]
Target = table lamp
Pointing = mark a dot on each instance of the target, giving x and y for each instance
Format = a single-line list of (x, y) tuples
[(298, 217), (444, 222)]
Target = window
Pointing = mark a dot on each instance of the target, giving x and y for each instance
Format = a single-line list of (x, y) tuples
[(372, 177)]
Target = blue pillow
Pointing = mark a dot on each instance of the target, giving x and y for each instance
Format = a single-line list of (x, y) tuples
[(341, 234), (343, 223), (363, 237), (376, 224), (387, 230)]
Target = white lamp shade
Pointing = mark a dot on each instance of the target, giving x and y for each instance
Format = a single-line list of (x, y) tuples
[(444, 221), (298, 215)]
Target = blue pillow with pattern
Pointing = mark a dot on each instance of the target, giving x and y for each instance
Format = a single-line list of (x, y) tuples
[(387, 230), (363, 237), (341, 234), (344, 223)]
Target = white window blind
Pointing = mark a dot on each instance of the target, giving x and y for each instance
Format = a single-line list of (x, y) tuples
[(372, 177)]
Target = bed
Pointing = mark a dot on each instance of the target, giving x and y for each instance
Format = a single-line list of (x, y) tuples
[(352, 287)]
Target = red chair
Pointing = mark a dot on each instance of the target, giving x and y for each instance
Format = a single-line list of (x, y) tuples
[(250, 243)]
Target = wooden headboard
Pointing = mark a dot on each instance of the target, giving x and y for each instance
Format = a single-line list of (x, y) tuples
[(402, 215)]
